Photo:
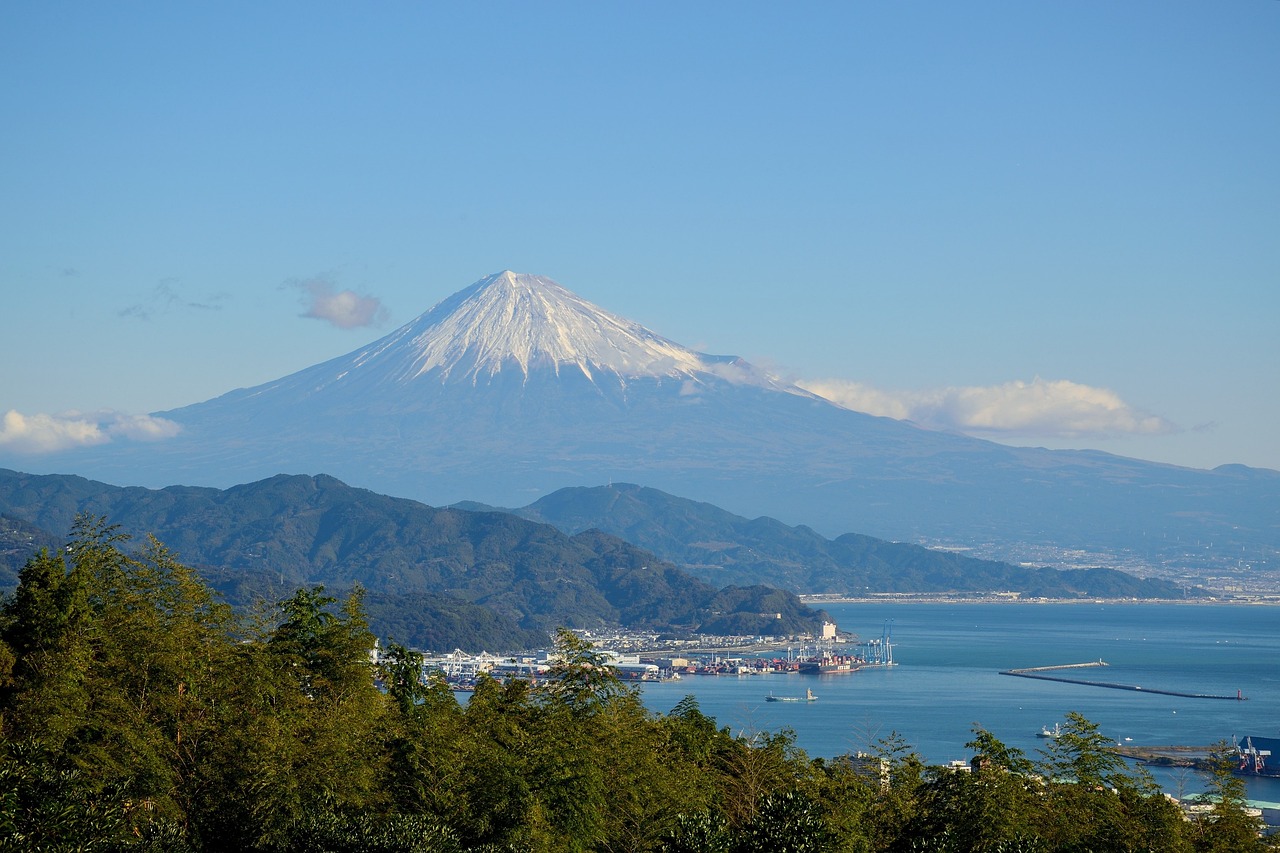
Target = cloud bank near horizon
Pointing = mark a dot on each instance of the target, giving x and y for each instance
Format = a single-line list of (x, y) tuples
[(42, 433), (1042, 408)]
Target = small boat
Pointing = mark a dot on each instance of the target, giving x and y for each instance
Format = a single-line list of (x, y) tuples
[(808, 697), (1050, 733)]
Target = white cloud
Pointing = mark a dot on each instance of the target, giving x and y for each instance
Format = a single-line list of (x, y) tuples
[(345, 309), (43, 433), (46, 433), (140, 427), (1044, 408), (860, 397), (735, 372)]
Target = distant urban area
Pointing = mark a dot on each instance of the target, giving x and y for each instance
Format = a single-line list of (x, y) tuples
[(1252, 575)]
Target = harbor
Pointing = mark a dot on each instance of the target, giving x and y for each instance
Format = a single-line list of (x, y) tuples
[(948, 681), (1250, 756), (648, 659)]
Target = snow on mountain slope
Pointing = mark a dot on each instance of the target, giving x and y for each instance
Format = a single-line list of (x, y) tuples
[(530, 320), (504, 325), (516, 321)]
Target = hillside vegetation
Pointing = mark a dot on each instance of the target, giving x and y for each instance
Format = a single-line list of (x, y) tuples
[(436, 578), (138, 713)]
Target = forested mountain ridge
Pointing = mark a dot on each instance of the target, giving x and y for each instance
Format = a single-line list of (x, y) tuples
[(423, 567), (722, 548)]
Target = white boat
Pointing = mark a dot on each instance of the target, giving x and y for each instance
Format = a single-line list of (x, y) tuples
[(1050, 733)]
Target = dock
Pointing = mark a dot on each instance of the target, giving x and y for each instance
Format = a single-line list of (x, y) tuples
[(1043, 673)]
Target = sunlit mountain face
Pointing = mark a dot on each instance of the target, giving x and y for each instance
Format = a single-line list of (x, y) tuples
[(515, 387), (510, 328)]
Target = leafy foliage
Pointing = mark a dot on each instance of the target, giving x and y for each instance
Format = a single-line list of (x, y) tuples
[(139, 713)]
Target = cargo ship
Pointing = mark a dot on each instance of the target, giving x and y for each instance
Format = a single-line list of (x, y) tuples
[(808, 697), (830, 664)]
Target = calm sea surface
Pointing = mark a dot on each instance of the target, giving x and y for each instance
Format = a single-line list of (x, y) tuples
[(947, 680)]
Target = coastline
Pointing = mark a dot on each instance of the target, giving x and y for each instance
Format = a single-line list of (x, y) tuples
[(1268, 600), (949, 679)]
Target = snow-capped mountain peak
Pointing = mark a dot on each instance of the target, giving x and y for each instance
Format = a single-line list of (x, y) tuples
[(517, 320)]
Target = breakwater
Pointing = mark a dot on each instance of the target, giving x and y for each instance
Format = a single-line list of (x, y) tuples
[(1043, 673), (1098, 662)]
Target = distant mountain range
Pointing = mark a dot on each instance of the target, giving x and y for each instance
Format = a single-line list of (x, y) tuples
[(473, 578), (515, 387), (720, 547), (437, 578)]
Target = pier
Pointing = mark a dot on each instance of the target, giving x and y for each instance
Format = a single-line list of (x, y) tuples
[(1098, 662), (1042, 673)]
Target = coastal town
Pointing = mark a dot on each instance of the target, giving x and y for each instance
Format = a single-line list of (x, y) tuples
[(640, 656)]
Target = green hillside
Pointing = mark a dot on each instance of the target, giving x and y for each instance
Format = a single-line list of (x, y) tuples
[(425, 568)]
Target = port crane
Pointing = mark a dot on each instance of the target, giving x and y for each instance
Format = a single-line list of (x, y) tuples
[(1252, 759)]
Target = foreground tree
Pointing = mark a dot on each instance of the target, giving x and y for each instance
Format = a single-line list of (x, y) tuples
[(113, 661), (43, 697), (297, 736), (1093, 803), (137, 712), (1226, 827), (993, 805)]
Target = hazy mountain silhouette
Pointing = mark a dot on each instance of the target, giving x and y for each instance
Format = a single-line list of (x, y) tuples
[(722, 548)]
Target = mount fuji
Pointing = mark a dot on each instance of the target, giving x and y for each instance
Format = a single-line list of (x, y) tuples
[(515, 387)]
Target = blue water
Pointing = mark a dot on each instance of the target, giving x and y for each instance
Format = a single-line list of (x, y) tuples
[(948, 680)]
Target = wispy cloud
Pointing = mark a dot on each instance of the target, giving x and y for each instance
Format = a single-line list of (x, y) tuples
[(739, 372), (43, 433), (1040, 408), (165, 297), (345, 309)]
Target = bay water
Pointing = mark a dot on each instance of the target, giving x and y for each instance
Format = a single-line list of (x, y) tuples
[(947, 680)]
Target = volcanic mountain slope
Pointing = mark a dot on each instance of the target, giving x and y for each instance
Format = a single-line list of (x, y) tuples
[(515, 387), (468, 579)]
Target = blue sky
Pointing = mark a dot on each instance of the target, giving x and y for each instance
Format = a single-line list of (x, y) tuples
[(1045, 223)]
